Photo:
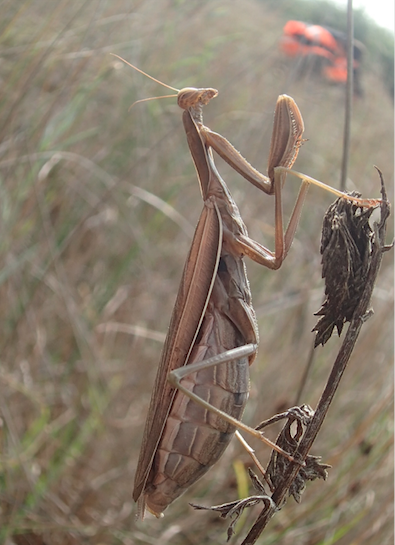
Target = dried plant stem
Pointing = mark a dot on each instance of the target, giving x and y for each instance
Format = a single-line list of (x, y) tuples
[(360, 315)]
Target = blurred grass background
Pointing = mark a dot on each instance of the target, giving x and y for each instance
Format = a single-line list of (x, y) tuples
[(98, 207)]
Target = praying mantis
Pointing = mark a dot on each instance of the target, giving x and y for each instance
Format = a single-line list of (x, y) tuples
[(202, 382)]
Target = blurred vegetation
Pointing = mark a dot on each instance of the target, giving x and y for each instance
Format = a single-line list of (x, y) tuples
[(98, 206)]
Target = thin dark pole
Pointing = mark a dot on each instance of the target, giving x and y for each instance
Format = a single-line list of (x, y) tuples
[(346, 149), (349, 95)]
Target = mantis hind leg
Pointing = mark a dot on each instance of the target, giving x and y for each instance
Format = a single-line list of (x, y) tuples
[(177, 375)]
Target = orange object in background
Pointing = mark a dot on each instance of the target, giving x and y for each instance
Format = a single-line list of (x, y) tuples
[(293, 37), (303, 40), (337, 71)]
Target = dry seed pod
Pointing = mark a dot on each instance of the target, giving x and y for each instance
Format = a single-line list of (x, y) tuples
[(346, 253)]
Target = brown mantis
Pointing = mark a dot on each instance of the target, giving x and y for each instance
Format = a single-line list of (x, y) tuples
[(202, 382)]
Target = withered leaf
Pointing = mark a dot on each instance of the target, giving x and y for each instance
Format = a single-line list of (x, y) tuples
[(289, 440), (234, 509)]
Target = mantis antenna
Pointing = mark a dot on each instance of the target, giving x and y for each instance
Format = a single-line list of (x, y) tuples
[(150, 77)]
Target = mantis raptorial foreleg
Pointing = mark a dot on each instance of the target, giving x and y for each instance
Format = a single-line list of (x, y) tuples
[(273, 185)]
